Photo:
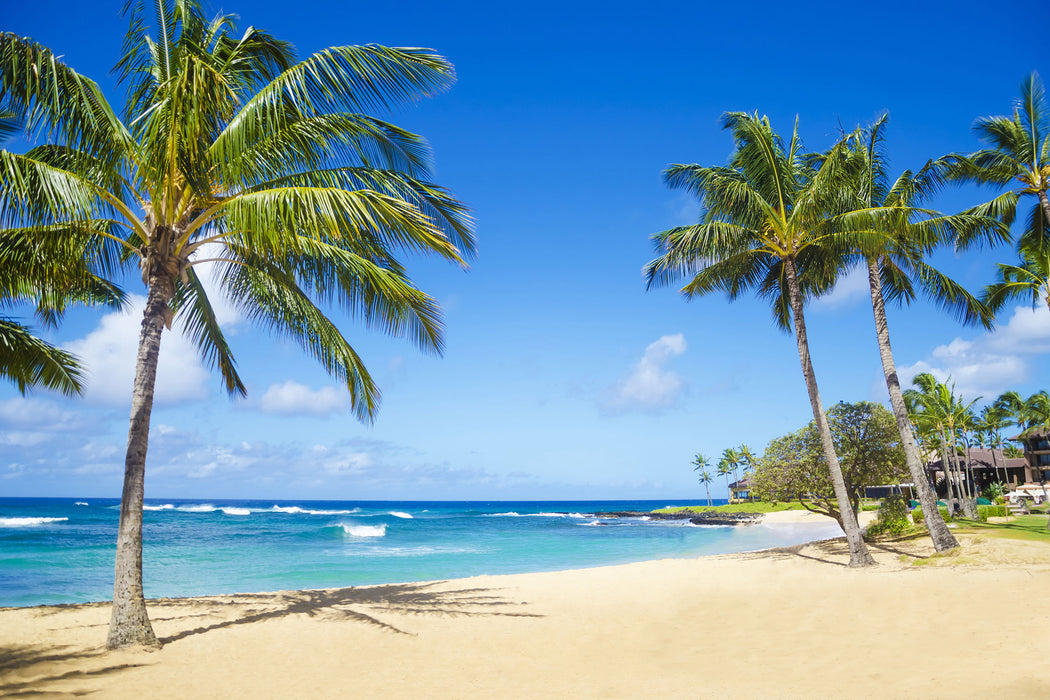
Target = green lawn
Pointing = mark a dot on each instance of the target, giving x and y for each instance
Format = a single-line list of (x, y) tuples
[(1025, 527), (755, 507)]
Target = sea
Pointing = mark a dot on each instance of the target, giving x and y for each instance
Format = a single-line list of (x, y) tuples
[(61, 550)]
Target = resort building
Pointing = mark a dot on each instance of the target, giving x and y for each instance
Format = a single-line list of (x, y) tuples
[(987, 466), (1036, 445), (740, 490)]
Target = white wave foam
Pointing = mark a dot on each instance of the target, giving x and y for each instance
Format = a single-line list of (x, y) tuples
[(354, 530), (579, 516), (547, 515), (166, 506), (236, 511), (593, 523), (400, 514), (203, 508), (303, 511), (29, 522), (80, 503), (511, 514)]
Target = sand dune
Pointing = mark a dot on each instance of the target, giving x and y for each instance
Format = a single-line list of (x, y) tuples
[(781, 623)]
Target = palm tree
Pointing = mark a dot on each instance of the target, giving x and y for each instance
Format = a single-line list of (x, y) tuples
[(732, 457), (725, 468), (703, 476), (904, 234), (1028, 280), (30, 274), (763, 227), (233, 152), (1020, 150)]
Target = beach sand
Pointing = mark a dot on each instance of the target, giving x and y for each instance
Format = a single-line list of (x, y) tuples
[(781, 623)]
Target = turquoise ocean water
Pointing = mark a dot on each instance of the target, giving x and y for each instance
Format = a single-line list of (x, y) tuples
[(60, 550)]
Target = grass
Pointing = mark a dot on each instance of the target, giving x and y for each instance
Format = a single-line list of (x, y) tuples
[(1026, 527), (752, 507)]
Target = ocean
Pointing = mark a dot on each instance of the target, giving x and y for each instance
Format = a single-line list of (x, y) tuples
[(60, 550)]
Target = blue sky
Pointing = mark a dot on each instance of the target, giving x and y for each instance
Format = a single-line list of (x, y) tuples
[(562, 377)]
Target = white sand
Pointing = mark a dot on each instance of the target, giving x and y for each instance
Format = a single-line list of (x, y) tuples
[(787, 623)]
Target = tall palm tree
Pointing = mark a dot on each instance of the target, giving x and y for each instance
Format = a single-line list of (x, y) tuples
[(1019, 153), (763, 226), (233, 152), (725, 468), (29, 274), (1028, 280), (905, 233), (732, 457), (703, 476)]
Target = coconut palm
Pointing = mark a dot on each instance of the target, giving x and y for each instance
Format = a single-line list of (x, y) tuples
[(703, 476), (905, 233), (763, 227), (725, 468), (1028, 280), (31, 274), (234, 153)]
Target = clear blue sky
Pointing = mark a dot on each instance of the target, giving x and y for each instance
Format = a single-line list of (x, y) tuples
[(562, 377)]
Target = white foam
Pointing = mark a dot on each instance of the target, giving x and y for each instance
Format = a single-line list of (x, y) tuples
[(354, 530), (204, 508), (166, 506), (303, 511), (401, 514), (579, 516), (29, 522), (236, 511), (80, 503), (511, 514)]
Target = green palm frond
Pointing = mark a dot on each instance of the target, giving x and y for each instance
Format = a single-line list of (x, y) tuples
[(30, 362), (195, 311)]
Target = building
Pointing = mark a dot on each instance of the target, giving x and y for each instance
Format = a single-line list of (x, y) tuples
[(740, 490), (1036, 445), (988, 466)]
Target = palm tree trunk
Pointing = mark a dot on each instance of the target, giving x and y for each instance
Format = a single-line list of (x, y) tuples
[(129, 623), (1044, 202), (858, 551), (943, 540), (949, 474), (969, 509)]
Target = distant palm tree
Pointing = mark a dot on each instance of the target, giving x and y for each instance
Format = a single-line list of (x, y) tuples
[(703, 476), (763, 227), (732, 457), (725, 468), (235, 153)]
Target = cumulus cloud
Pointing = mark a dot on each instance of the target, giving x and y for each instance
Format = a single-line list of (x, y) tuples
[(651, 386), (293, 398), (109, 354), (992, 362)]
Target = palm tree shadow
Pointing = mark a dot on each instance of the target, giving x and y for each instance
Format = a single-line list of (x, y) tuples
[(16, 660), (361, 605)]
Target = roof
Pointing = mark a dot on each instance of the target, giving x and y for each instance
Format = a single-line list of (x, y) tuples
[(744, 483), (982, 459)]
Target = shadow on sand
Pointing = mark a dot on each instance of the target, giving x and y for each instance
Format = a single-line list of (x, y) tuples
[(34, 670)]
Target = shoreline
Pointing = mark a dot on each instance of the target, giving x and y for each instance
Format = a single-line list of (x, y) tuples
[(768, 623)]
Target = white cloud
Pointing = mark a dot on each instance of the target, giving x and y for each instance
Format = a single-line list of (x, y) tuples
[(651, 385), (847, 291), (109, 354), (297, 399), (993, 362)]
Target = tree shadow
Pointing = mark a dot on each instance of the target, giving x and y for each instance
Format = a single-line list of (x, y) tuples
[(38, 670), (17, 661), (829, 548)]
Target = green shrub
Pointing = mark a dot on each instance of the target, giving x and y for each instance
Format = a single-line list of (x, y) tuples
[(893, 516), (994, 490), (985, 512), (916, 515)]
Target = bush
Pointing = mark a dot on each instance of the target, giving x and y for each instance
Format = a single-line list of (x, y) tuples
[(893, 516), (916, 515), (994, 490), (985, 512)]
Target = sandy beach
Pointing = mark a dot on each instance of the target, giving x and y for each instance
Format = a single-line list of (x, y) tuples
[(780, 623)]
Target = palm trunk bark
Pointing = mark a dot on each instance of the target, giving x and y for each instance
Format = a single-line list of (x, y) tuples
[(949, 474), (1044, 202), (968, 507), (943, 540), (129, 623), (858, 551)]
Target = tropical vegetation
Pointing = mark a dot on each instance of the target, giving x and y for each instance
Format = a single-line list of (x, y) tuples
[(230, 151)]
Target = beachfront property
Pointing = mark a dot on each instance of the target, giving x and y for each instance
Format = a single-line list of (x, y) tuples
[(1036, 445), (740, 490), (987, 466)]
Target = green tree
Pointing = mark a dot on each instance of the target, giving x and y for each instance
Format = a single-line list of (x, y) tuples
[(1019, 153), (763, 227), (232, 151), (725, 468), (793, 467), (904, 234), (701, 463), (31, 274)]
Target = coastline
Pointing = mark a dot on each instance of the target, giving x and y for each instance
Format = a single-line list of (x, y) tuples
[(779, 622)]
